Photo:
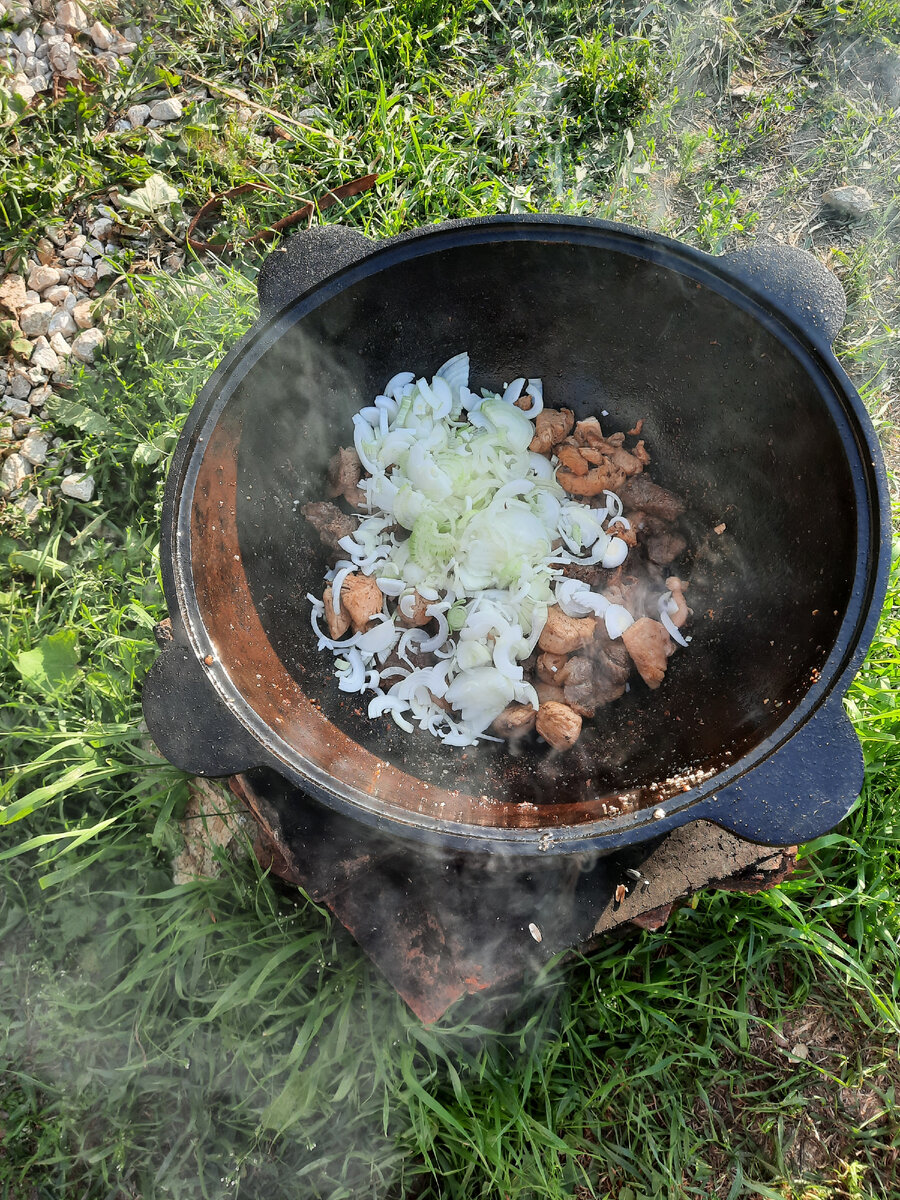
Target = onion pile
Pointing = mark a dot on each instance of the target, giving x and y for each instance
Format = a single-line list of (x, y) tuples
[(488, 530)]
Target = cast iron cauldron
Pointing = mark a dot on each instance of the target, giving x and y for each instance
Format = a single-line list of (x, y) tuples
[(749, 418)]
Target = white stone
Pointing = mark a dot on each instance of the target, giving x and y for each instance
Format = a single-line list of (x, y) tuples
[(62, 322), (35, 319), (40, 278), (56, 295), (60, 346), (85, 276), (138, 114), (6, 433), (22, 88), (12, 293), (30, 505), (34, 449), (24, 41), (14, 472), (45, 358), (18, 408), (102, 227), (87, 344), (63, 58), (32, 297), (40, 83), (79, 486), (105, 269), (122, 126), (71, 16), (166, 110), (133, 33), (83, 316), (40, 395), (20, 385), (101, 36), (74, 248), (94, 247)]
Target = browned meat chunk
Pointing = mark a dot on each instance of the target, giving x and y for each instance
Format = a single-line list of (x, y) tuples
[(361, 596), (630, 464), (549, 667), (677, 587), (558, 724), (589, 433), (571, 458), (649, 646), (515, 721), (638, 426), (640, 453), (419, 615), (562, 634), (641, 492), (550, 427), (525, 403), (600, 479), (663, 548), (344, 474), (594, 576), (611, 657), (586, 688), (329, 523), (547, 692), (338, 622)]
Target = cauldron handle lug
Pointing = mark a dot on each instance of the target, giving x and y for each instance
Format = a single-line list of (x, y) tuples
[(187, 721), (305, 260), (797, 281), (801, 791)]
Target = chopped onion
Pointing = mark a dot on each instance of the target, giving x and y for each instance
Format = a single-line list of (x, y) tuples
[(617, 619), (354, 679), (665, 600)]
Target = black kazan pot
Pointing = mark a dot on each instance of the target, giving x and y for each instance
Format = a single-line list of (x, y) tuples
[(748, 417)]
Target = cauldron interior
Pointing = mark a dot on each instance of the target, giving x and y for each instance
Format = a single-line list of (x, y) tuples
[(738, 420)]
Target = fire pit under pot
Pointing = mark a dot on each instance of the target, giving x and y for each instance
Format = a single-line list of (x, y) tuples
[(749, 417)]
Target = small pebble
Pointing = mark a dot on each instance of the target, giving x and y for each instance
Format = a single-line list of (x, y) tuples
[(20, 386), (56, 295), (62, 322), (70, 15), (60, 346), (166, 110), (14, 472), (85, 277), (535, 932), (659, 813), (17, 408), (6, 432), (46, 251), (34, 449), (78, 485), (138, 114), (41, 277), (846, 203), (82, 314), (87, 344), (74, 248), (40, 395), (30, 505), (105, 269), (100, 36), (102, 227), (45, 359), (13, 294)]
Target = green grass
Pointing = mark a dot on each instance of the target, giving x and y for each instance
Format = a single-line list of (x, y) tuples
[(224, 1038)]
